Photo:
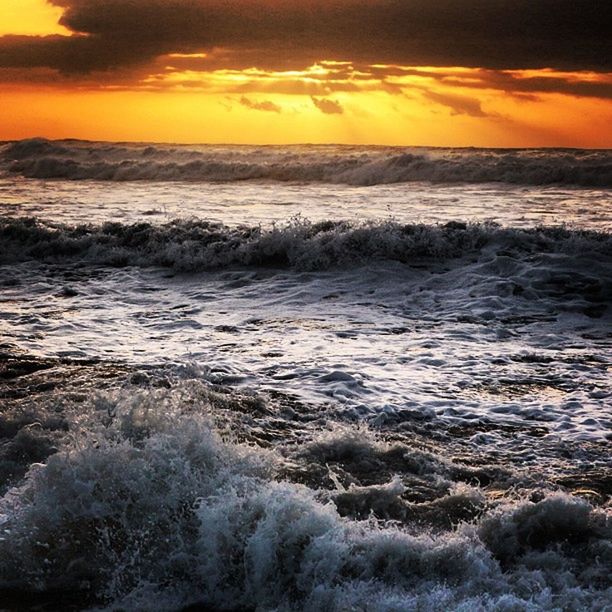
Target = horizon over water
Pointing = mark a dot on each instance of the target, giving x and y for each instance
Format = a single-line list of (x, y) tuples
[(289, 144), (304, 377)]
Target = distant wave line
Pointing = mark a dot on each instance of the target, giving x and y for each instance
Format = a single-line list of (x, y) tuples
[(358, 166)]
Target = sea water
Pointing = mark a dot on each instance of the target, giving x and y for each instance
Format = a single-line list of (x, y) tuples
[(308, 377)]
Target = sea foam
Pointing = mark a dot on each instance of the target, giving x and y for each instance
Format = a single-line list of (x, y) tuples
[(153, 509)]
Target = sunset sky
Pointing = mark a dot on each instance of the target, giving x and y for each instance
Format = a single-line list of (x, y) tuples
[(407, 72)]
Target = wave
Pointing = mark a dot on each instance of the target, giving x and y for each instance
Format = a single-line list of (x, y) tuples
[(193, 245), (150, 508), (360, 166)]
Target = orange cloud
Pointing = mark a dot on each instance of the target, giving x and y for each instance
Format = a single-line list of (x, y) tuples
[(459, 105), (328, 107), (264, 105)]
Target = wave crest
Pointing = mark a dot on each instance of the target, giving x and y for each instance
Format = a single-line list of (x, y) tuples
[(73, 160), (192, 245)]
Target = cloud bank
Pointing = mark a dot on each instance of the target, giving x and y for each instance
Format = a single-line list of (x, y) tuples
[(113, 35)]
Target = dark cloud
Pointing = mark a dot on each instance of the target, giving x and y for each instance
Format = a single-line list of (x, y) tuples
[(264, 105), (494, 34), (329, 107), (515, 83), (543, 84)]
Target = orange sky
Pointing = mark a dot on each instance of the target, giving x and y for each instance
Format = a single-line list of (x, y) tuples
[(205, 95)]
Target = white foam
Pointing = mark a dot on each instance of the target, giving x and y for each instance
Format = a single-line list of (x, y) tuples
[(155, 511)]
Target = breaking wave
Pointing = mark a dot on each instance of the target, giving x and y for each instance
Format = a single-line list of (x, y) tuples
[(151, 508), (74, 160), (192, 245)]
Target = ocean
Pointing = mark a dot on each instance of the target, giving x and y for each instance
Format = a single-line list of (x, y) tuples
[(321, 378)]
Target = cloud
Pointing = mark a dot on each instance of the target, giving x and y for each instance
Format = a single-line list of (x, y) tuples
[(519, 83), (324, 79), (264, 105), (111, 35), (329, 107), (579, 85), (459, 105)]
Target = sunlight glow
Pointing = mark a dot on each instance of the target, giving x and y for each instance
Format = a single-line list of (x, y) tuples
[(30, 17)]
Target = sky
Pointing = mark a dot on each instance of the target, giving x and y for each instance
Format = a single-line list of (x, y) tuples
[(497, 73)]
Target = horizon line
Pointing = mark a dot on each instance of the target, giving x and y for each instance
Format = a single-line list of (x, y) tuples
[(300, 144)]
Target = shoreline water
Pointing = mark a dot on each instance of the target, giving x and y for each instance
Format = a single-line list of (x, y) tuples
[(421, 481)]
